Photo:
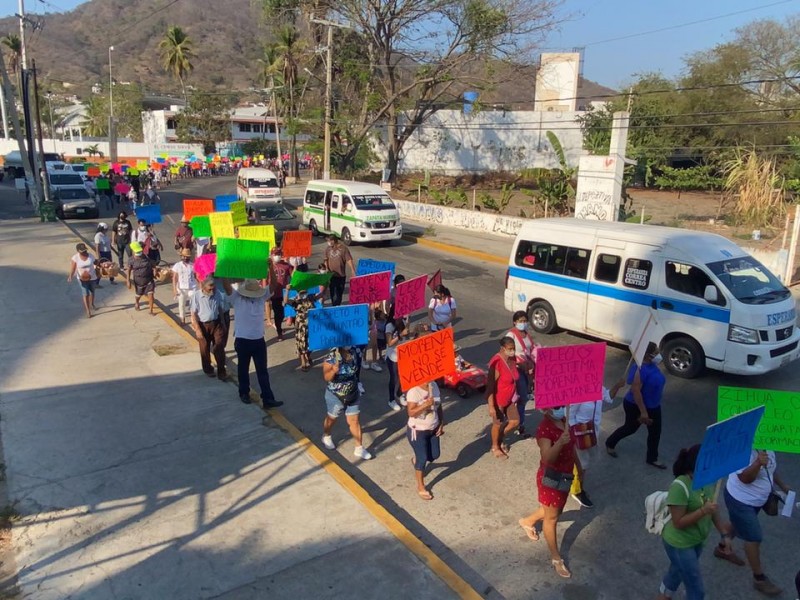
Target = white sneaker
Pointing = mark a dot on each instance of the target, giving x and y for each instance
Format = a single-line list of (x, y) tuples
[(376, 367), (361, 389), (361, 453), (394, 406), (327, 441), (402, 400)]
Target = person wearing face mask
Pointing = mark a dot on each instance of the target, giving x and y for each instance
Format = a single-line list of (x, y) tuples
[(442, 309), (642, 406), (337, 259), (525, 350), (502, 396), (140, 235), (184, 281), (553, 480), (280, 276), (121, 232)]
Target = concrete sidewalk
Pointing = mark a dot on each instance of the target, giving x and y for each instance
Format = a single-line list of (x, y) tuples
[(135, 476)]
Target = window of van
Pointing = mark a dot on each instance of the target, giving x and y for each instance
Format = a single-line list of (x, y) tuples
[(373, 202), (688, 279), (637, 273), (607, 268), (552, 258), (577, 263), (65, 179), (315, 198), (262, 182), (749, 281)]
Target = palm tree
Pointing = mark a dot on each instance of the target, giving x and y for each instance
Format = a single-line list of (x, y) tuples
[(96, 118), (287, 50), (177, 55), (14, 44)]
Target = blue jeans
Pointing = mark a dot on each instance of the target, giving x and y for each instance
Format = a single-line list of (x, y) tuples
[(425, 445), (684, 567)]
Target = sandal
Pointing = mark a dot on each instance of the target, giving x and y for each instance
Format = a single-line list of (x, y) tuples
[(529, 531), (425, 495), (498, 453), (611, 452), (731, 556), (561, 568), (506, 448)]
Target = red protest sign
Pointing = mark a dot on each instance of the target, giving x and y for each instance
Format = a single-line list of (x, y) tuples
[(435, 280), (569, 374), (296, 243), (410, 296), (368, 289), (425, 359), (196, 207), (93, 171)]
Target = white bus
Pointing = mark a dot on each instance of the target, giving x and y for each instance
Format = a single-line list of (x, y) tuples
[(258, 185), (356, 212), (712, 304)]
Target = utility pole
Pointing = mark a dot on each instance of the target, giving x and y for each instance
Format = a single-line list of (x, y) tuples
[(52, 129), (21, 15), (275, 116), (45, 179), (326, 169), (112, 124), (4, 114)]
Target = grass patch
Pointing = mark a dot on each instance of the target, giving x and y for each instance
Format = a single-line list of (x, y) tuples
[(430, 231), (169, 349)]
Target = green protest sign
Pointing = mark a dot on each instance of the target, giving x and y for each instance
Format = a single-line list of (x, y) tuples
[(241, 259), (103, 184), (305, 281), (779, 429), (201, 226)]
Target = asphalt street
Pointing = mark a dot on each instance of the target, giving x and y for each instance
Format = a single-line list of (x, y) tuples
[(472, 522)]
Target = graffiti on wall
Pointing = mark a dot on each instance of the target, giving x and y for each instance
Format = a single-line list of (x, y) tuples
[(594, 204), (461, 219)]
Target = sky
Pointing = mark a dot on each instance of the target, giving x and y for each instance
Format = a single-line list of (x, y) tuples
[(592, 23)]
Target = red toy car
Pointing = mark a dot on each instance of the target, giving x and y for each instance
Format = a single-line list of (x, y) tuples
[(466, 380)]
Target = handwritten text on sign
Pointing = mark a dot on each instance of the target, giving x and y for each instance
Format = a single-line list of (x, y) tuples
[(569, 374), (241, 259), (296, 243), (197, 208), (370, 288), (726, 448), (426, 358), (367, 266), (221, 225), (264, 233), (410, 296), (779, 429), (338, 326), (205, 265)]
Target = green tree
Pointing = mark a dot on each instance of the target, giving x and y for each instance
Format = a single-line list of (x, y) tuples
[(14, 45), (127, 113), (177, 54), (205, 120), (287, 51)]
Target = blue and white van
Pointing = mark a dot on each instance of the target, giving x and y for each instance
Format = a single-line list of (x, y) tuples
[(713, 304)]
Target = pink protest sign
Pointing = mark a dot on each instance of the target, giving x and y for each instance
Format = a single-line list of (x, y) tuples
[(368, 289), (122, 188), (410, 296), (569, 374), (205, 266)]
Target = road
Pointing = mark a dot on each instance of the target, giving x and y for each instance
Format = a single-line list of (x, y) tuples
[(472, 521)]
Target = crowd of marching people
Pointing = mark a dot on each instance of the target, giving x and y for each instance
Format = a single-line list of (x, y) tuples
[(568, 438)]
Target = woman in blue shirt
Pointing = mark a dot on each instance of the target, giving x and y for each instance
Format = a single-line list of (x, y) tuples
[(643, 406)]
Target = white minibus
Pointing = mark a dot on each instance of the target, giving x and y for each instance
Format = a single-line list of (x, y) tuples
[(258, 185), (356, 212), (710, 303)]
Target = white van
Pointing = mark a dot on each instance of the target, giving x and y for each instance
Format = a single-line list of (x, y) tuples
[(258, 185), (714, 305), (356, 212)]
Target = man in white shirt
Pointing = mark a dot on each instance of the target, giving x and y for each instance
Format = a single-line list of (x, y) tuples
[(184, 282), (249, 302)]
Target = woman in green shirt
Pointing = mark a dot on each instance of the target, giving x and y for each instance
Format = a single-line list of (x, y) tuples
[(692, 514)]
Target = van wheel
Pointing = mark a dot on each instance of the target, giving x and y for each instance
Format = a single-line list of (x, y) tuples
[(542, 317), (347, 239), (312, 225), (684, 357)]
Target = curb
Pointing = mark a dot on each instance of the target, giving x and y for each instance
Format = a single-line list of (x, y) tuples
[(453, 249)]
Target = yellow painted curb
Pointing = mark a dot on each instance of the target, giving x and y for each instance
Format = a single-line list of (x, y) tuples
[(452, 249)]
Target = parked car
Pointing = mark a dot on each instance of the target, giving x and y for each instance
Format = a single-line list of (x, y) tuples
[(75, 201)]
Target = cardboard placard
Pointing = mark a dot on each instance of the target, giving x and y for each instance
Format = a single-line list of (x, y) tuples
[(122, 188), (221, 225), (435, 280), (239, 211), (142, 165), (241, 259), (779, 429), (201, 226), (93, 172), (149, 214), (727, 447), (569, 374), (305, 281), (426, 358), (367, 266), (296, 243), (290, 312), (197, 207), (409, 296), (368, 289), (265, 233), (336, 326), (205, 265), (103, 184), (223, 202)]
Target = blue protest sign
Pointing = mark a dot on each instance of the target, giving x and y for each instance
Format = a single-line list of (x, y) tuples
[(338, 326), (726, 447), (149, 214), (289, 312), (367, 266), (222, 202)]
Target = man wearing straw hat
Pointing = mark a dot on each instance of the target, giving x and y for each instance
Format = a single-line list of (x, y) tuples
[(249, 300)]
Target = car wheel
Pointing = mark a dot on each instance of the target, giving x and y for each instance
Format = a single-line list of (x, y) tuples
[(312, 225), (60, 214), (684, 357), (542, 317), (462, 390), (347, 239)]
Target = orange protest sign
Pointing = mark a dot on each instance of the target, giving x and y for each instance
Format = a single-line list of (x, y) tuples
[(426, 359), (93, 171), (197, 207), (296, 243)]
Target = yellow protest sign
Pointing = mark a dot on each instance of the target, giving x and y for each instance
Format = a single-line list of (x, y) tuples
[(263, 233), (221, 225), (174, 170), (142, 165), (104, 167), (240, 214)]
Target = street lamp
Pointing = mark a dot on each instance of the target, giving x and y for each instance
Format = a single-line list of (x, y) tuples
[(112, 133)]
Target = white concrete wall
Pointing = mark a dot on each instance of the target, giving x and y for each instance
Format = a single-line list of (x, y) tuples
[(557, 81), (124, 149), (452, 143), (468, 220)]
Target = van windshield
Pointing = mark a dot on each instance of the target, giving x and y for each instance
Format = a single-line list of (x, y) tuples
[(65, 179), (262, 182), (749, 281), (373, 202)]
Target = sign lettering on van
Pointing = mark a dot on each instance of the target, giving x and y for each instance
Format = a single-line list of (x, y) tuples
[(781, 317), (636, 277)]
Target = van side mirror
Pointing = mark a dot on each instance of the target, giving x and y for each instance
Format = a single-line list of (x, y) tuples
[(711, 295)]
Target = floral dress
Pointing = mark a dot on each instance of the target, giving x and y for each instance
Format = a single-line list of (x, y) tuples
[(301, 305)]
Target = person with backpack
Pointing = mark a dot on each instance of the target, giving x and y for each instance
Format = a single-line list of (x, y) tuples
[(442, 309), (691, 515), (341, 396)]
